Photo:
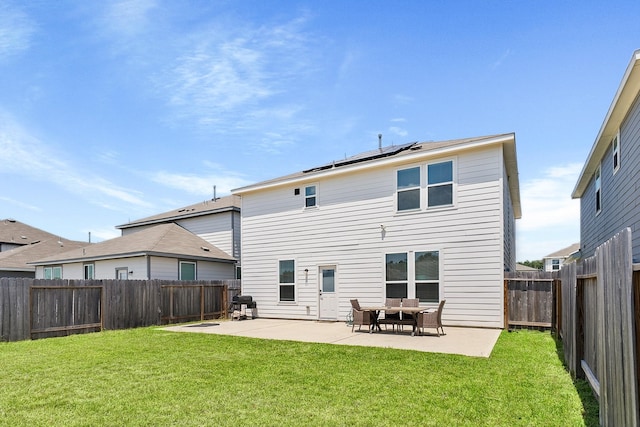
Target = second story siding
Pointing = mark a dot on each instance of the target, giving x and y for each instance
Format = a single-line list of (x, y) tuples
[(620, 196)]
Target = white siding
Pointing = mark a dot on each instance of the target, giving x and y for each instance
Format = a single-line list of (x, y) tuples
[(106, 269), (164, 268), (215, 229), (215, 270), (345, 230)]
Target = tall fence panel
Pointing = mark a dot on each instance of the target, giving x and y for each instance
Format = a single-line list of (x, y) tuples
[(31, 308), (616, 325), (599, 327)]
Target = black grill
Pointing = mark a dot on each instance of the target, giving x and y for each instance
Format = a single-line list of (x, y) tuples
[(238, 300)]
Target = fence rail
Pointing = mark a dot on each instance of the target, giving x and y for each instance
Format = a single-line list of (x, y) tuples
[(35, 308)]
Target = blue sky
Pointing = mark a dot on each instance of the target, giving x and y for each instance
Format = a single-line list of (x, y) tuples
[(112, 111)]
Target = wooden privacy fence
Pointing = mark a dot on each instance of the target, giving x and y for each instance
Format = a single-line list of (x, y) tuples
[(599, 327), (31, 308), (529, 299)]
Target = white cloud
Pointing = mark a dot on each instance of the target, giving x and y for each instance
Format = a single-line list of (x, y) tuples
[(550, 217), (16, 30), (201, 185), (398, 131), (24, 154), (20, 204), (127, 18)]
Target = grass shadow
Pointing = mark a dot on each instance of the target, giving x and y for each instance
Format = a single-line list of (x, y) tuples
[(590, 405)]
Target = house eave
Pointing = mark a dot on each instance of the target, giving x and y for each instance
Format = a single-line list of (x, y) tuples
[(410, 156), (177, 217), (622, 101)]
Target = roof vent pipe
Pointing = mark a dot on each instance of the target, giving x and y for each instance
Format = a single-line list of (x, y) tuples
[(380, 141)]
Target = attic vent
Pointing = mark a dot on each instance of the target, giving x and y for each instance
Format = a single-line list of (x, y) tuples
[(415, 148), (23, 237), (205, 248)]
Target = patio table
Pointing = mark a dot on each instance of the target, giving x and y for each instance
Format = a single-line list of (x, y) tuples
[(413, 311)]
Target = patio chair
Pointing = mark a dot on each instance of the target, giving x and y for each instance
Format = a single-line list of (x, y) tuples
[(408, 319), (391, 317), (431, 320), (360, 317)]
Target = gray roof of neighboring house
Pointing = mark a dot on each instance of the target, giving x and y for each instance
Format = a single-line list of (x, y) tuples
[(401, 153), (623, 100), (18, 259), (565, 252), (207, 207), (165, 240), (18, 233), (522, 267)]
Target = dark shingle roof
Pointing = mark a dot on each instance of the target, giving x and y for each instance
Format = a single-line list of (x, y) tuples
[(168, 240)]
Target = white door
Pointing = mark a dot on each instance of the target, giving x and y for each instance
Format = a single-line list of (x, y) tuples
[(328, 294)]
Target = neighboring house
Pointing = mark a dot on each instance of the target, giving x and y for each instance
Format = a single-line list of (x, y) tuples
[(163, 251), (15, 263), (608, 184), (216, 221), (432, 220), (554, 261), (14, 234), (21, 244)]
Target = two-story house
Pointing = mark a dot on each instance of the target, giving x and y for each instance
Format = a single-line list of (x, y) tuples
[(197, 242), (431, 220), (608, 186)]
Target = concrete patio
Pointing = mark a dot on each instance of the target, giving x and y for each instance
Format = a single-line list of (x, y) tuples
[(476, 342)]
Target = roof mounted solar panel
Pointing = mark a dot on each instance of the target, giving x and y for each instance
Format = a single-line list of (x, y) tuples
[(362, 157)]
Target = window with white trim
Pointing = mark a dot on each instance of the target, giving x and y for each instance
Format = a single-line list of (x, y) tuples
[(310, 196), (555, 264), (598, 192), (122, 273), (187, 270), (616, 152), (88, 271), (413, 275), (440, 184), (53, 272), (408, 188), (286, 280), (396, 275), (427, 276)]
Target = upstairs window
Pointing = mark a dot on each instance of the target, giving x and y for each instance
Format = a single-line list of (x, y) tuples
[(598, 193), (555, 264), (310, 196), (286, 280), (408, 187), (616, 153), (440, 184)]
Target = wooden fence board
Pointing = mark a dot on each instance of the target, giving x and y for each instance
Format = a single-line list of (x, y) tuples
[(58, 307)]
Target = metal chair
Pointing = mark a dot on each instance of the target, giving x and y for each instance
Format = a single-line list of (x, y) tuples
[(391, 317), (431, 320)]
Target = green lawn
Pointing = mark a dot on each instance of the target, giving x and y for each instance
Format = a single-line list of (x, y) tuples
[(150, 377)]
